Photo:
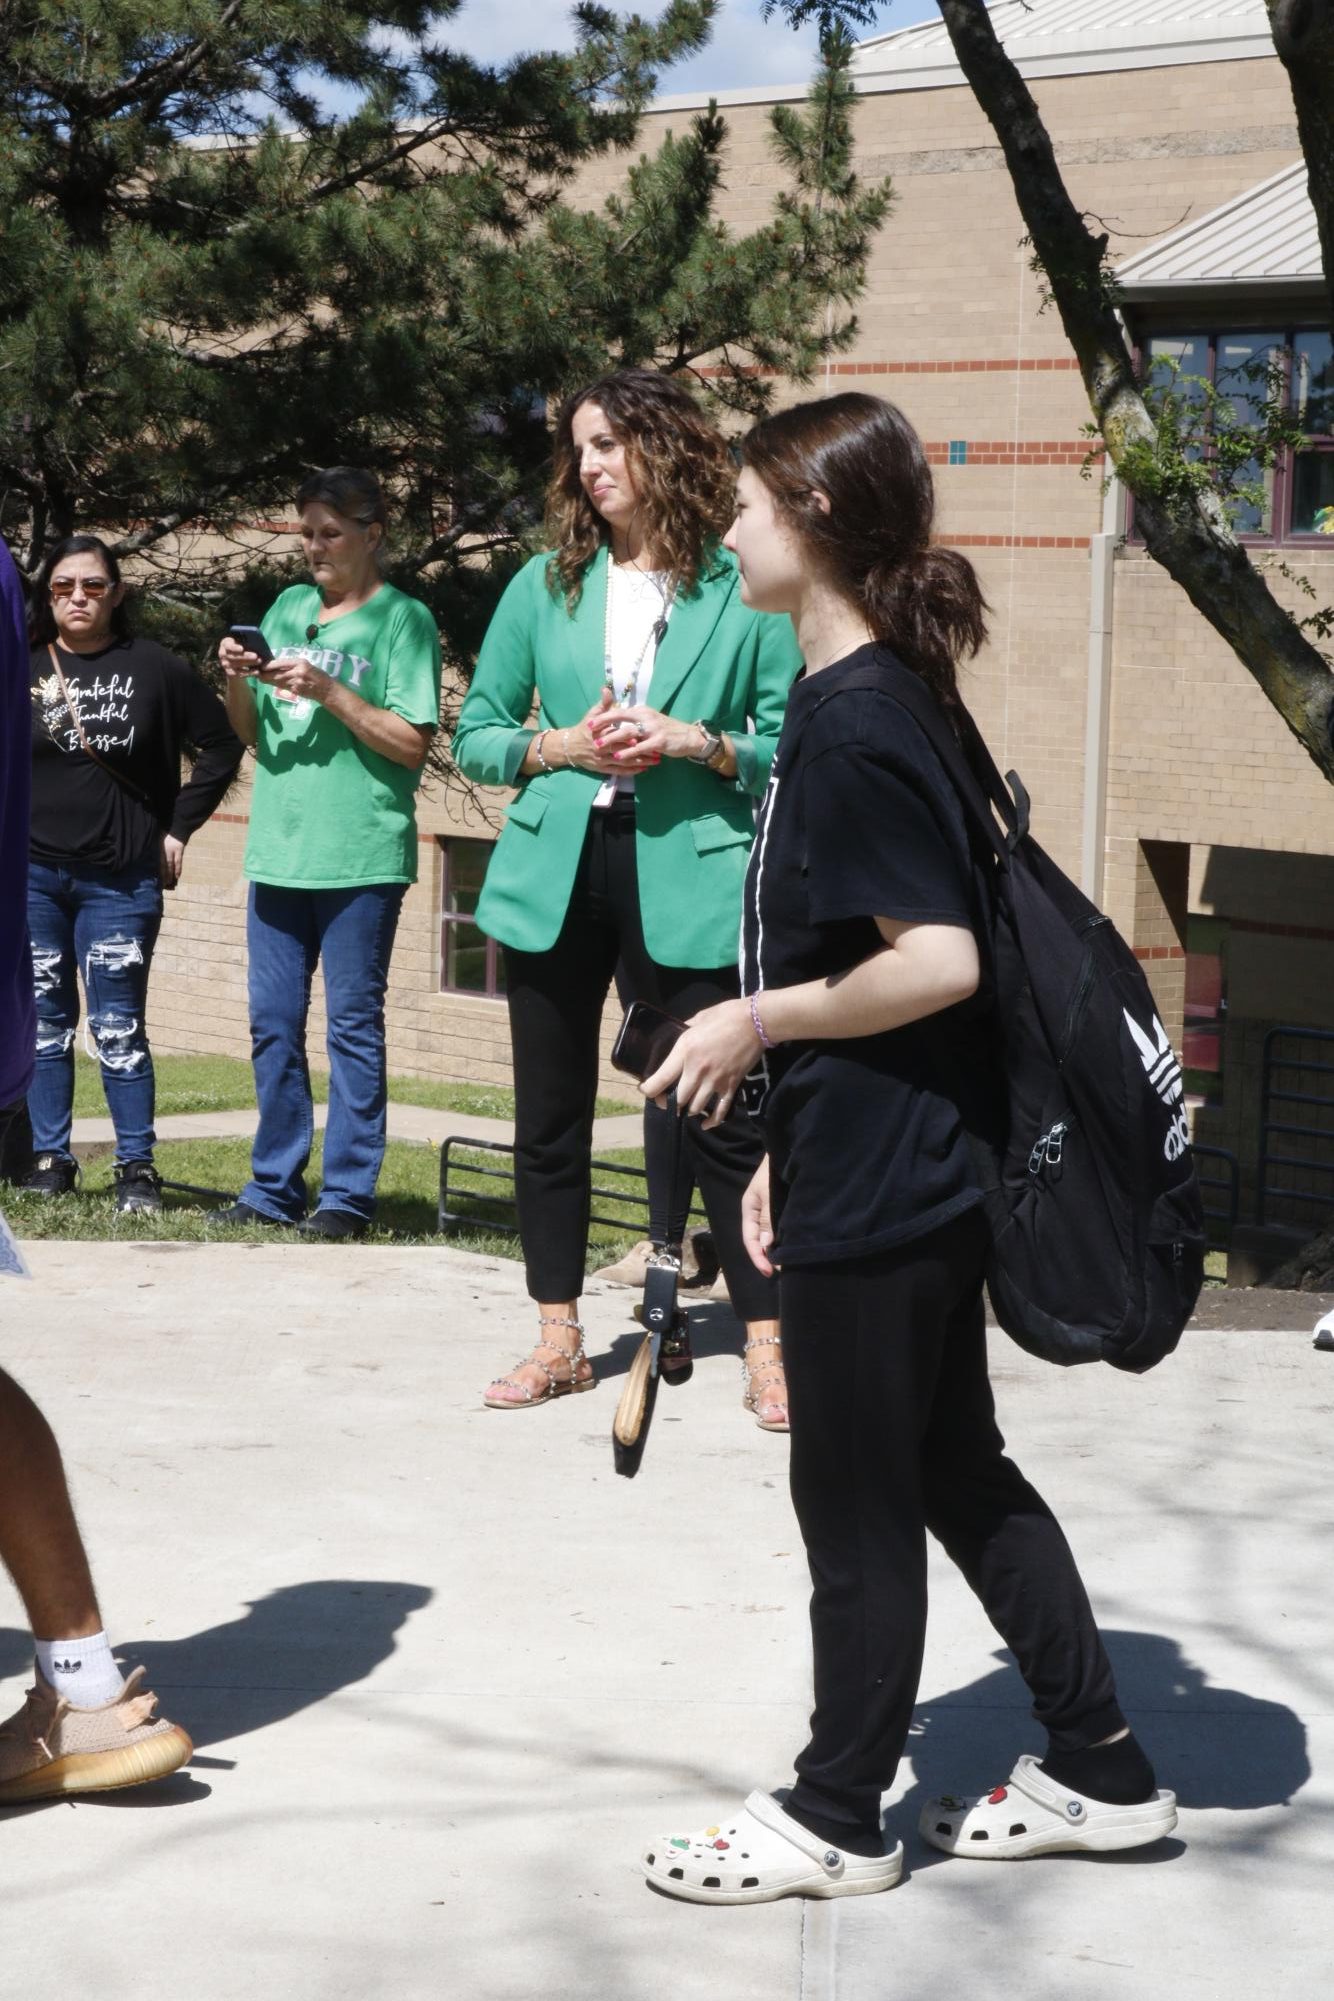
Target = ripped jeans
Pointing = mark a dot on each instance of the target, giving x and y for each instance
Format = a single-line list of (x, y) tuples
[(100, 925)]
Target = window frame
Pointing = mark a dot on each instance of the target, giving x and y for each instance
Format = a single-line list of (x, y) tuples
[(453, 918), (1213, 324)]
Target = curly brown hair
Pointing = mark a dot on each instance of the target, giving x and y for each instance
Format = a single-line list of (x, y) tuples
[(681, 467)]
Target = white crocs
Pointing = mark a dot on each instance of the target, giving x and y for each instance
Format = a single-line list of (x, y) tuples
[(1033, 1815), (761, 1855)]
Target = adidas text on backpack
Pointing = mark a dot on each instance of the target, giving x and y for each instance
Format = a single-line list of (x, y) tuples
[(1097, 1225)]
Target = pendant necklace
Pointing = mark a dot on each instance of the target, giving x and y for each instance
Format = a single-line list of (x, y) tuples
[(624, 696)]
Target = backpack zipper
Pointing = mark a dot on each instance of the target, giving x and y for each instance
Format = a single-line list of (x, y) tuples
[(1077, 1000), (1048, 1150)]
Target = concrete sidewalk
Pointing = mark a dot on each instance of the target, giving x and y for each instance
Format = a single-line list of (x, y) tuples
[(447, 1672), (416, 1123)]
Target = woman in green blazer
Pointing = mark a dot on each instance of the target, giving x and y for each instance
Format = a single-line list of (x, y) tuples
[(658, 699)]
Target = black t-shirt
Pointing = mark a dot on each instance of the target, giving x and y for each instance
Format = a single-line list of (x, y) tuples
[(141, 710), (867, 1136)]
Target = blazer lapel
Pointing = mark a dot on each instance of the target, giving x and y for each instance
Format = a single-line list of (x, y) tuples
[(689, 630)]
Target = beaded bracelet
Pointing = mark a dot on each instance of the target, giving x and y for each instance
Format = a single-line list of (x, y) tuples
[(538, 743), (766, 1042)]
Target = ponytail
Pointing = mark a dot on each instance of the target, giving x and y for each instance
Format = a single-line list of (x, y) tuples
[(929, 610)]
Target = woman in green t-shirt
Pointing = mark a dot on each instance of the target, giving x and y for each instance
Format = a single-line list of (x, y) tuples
[(340, 720)]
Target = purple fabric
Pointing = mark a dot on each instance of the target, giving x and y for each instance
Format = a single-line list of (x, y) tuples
[(18, 1021)]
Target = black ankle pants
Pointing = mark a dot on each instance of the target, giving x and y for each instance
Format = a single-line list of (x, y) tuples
[(555, 1005), (894, 1433)]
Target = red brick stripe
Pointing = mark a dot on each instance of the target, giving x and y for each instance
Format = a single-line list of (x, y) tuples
[(1160, 951), (1268, 930), (1017, 364), (1012, 541), (998, 452)]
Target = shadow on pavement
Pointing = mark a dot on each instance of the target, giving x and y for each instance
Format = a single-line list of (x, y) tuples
[(714, 1330), (301, 1643), (1216, 1748)]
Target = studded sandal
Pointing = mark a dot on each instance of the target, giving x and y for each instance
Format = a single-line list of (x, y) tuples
[(557, 1386), (770, 1412)]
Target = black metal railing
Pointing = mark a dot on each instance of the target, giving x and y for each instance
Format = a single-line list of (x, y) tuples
[(466, 1206), (1220, 1186), (1296, 1126)]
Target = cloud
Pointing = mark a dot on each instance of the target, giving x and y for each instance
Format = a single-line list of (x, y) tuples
[(744, 52)]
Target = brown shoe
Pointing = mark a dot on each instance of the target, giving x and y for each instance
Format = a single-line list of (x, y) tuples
[(630, 1269), (50, 1747)]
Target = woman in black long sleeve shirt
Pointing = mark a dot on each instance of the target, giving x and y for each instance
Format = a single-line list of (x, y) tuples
[(112, 716)]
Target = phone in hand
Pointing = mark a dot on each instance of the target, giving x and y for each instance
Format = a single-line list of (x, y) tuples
[(644, 1039), (251, 640)]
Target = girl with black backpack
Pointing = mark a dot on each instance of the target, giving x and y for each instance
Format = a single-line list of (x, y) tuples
[(866, 1004)]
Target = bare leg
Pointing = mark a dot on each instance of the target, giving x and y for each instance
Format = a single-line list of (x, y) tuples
[(560, 1337), (766, 1385), (40, 1542)]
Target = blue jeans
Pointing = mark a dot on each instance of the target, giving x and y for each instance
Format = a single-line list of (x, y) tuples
[(289, 932), (102, 923)]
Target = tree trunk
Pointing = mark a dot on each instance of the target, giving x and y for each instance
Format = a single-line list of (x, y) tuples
[(1304, 37), (1193, 543)]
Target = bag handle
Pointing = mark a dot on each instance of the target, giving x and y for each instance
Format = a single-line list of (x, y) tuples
[(68, 699)]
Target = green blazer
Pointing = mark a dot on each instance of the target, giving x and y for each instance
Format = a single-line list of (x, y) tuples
[(719, 663)]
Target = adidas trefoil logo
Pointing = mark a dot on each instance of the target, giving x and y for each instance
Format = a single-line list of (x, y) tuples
[(1164, 1073), (67, 1667)]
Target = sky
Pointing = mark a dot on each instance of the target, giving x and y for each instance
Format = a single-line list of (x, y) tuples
[(745, 51)]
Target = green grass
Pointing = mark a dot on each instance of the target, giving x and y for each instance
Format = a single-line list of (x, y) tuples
[(406, 1203), (225, 1084)]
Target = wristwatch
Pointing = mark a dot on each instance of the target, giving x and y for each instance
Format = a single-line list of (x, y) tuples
[(713, 743)]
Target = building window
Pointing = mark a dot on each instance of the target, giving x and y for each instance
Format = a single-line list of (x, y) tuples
[(1312, 396), (470, 962), (1298, 502)]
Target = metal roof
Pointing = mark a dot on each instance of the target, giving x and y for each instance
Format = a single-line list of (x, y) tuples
[(1074, 37), (1265, 239)]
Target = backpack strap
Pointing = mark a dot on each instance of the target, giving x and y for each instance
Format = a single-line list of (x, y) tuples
[(965, 757)]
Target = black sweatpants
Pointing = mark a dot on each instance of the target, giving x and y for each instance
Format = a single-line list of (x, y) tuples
[(894, 1433), (555, 1004)]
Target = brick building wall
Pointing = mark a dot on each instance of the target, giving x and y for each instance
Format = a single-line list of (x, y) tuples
[(952, 329)]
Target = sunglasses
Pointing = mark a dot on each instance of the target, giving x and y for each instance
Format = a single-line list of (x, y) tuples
[(92, 587)]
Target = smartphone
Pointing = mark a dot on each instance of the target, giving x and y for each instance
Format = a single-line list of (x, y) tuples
[(644, 1038), (252, 640)]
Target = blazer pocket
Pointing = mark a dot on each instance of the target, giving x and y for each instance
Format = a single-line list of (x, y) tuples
[(527, 810), (712, 831)]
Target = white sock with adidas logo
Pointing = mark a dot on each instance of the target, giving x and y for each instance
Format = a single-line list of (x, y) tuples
[(81, 1670)]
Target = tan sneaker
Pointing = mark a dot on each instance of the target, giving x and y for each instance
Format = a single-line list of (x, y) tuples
[(631, 1269), (49, 1747)]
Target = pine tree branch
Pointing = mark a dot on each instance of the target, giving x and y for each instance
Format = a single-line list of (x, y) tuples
[(150, 87), (165, 524)]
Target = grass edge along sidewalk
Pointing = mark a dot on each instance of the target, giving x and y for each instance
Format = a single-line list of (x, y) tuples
[(405, 1209)]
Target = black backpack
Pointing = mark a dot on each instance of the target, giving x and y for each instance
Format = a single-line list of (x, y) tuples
[(1097, 1226)]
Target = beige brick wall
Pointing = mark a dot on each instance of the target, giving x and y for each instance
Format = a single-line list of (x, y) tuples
[(952, 328), (197, 997)]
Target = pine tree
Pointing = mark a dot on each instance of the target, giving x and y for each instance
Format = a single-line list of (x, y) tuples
[(212, 282)]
